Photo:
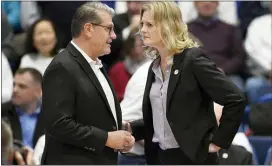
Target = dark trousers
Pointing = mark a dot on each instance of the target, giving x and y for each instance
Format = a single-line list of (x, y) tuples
[(177, 157), (124, 159)]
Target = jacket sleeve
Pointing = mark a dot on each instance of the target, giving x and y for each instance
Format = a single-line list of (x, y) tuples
[(58, 107), (221, 90), (137, 127)]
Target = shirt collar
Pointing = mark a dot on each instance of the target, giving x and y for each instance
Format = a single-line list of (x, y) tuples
[(36, 113), (97, 64), (211, 21), (157, 61), (156, 64)]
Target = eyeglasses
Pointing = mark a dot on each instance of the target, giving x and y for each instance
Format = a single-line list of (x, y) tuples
[(110, 29)]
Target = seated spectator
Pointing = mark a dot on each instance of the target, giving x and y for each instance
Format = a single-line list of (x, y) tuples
[(10, 45), (126, 22), (134, 57), (256, 87), (259, 48), (6, 29), (23, 111), (9, 154), (248, 10), (12, 11), (123, 25), (29, 14), (41, 46), (7, 79), (258, 43), (227, 11), (61, 14), (6, 143), (221, 41)]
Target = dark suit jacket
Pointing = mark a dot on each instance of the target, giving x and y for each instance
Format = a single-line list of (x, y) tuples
[(189, 110), (235, 155), (77, 113), (9, 113)]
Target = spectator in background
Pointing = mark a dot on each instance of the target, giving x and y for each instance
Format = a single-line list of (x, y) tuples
[(23, 112), (42, 45), (222, 42), (6, 143), (258, 40), (134, 57), (29, 14), (123, 25), (11, 44), (61, 14), (126, 22), (7, 79), (12, 11), (8, 152), (227, 11), (248, 10), (6, 28), (258, 45)]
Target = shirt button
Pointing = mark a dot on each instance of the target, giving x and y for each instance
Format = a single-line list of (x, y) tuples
[(115, 150)]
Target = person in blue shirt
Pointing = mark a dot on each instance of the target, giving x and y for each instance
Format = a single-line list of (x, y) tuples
[(23, 111), (12, 10)]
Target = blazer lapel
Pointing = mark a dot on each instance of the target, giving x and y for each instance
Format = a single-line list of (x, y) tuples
[(174, 75), (88, 70)]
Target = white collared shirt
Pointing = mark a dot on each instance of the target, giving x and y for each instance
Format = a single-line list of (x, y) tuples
[(96, 65)]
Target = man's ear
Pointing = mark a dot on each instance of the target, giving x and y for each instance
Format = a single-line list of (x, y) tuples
[(88, 29)]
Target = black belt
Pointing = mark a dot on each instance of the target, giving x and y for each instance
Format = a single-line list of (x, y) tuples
[(129, 154)]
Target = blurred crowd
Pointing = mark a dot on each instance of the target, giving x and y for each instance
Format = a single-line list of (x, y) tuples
[(236, 35)]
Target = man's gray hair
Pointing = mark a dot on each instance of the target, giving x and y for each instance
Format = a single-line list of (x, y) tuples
[(88, 12)]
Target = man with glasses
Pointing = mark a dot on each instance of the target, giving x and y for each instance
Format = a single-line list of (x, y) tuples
[(83, 114)]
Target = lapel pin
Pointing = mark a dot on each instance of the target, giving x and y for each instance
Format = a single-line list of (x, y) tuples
[(176, 72)]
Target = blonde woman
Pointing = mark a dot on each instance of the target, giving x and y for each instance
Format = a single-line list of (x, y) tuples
[(179, 124)]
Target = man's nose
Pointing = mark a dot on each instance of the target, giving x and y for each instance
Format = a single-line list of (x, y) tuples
[(113, 35)]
